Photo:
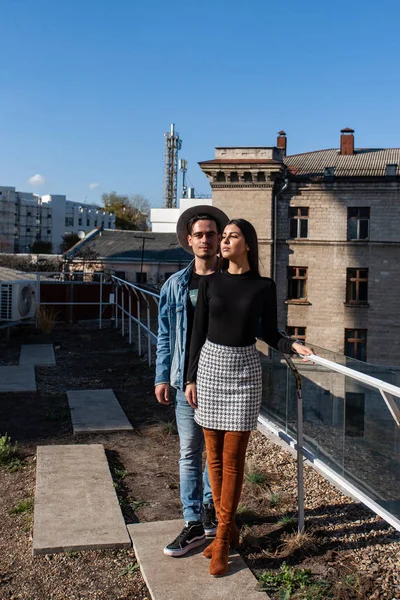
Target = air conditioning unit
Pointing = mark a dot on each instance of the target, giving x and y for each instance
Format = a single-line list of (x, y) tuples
[(17, 301)]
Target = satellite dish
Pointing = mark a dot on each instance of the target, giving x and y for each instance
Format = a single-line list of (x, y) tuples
[(81, 234)]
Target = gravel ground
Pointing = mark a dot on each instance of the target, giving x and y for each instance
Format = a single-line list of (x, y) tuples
[(347, 538)]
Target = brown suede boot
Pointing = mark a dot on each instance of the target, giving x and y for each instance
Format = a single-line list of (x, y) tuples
[(234, 452), (214, 440), (234, 541)]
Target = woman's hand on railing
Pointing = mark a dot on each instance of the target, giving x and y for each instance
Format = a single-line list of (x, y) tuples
[(191, 394), (303, 351)]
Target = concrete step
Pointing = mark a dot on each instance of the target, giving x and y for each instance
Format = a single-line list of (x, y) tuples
[(17, 379), (188, 576), (37, 355), (96, 410), (76, 507)]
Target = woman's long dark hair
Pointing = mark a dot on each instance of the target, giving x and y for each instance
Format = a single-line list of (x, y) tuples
[(251, 239)]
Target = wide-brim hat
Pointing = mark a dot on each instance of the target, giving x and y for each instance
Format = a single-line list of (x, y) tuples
[(213, 212)]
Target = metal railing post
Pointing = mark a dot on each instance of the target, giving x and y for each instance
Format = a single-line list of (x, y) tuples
[(130, 316), (116, 306), (148, 335), (123, 311), (299, 444), (139, 332), (37, 298), (101, 301)]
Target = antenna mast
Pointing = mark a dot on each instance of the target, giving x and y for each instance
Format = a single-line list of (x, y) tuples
[(172, 146)]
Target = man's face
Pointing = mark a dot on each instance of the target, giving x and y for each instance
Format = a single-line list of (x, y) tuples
[(204, 239)]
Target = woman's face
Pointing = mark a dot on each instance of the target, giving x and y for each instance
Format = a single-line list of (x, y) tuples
[(233, 244)]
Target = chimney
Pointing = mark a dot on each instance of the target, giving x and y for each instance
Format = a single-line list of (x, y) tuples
[(281, 141), (347, 141)]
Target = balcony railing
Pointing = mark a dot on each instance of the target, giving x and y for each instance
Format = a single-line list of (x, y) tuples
[(339, 414)]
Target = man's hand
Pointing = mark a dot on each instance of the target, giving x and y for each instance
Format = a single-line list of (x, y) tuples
[(191, 395), (162, 393)]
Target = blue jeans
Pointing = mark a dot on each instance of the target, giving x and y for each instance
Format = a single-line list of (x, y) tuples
[(195, 488)]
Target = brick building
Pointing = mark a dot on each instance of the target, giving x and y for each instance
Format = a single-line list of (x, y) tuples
[(329, 229)]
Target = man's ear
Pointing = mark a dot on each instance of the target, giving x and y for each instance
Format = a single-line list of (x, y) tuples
[(189, 239)]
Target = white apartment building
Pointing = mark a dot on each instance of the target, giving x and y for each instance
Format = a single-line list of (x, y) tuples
[(26, 218)]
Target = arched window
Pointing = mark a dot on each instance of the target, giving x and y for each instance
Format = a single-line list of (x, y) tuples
[(221, 176), (260, 176), (234, 176), (247, 176)]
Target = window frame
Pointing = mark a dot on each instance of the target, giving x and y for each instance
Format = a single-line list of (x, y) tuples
[(295, 333), (357, 341), (354, 282), (358, 218), (298, 218), (297, 278)]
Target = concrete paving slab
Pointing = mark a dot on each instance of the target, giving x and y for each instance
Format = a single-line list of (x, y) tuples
[(76, 507), (17, 379), (188, 576), (96, 410), (37, 354)]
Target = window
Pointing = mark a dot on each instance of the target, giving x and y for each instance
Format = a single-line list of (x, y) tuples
[(95, 222), (247, 176), (298, 333), (88, 222), (120, 274), (356, 343), (358, 223), (355, 413), (298, 222), (357, 286), (141, 277), (297, 283), (49, 231), (220, 176), (28, 229), (234, 176), (69, 221), (260, 176), (80, 221), (49, 216), (29, 214)]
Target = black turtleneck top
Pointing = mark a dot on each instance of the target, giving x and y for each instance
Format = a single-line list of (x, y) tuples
[(228, 312)]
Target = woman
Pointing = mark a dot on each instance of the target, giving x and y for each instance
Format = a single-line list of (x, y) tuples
[(224, 372)]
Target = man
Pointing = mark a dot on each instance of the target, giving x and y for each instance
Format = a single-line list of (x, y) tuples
[(199, 231)]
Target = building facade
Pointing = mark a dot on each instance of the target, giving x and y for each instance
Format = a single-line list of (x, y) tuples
[(26, 218), (329, 229)]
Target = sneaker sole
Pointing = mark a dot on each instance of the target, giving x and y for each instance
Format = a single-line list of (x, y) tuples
[(182, 551), (210, 532)]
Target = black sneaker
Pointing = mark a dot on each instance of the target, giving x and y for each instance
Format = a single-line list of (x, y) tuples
[(210, 520), (192, 535)]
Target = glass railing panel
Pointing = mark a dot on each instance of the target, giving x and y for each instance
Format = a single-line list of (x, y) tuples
[(346, 424), (372, 446)]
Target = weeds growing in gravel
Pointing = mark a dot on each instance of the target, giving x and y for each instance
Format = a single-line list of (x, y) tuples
[(275, 499), (8, 454), (292, 542), (290, 582), (47, 318), (25, 506), (130, 569), (286, 521), (256, 477)]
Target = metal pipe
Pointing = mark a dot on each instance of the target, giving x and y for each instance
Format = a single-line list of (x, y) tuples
[(275, 229)]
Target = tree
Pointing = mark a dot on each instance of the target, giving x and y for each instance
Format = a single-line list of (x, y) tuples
[(69, 240), (131, 212), (41, 247)]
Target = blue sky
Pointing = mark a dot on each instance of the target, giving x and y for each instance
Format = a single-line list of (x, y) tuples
[(88, 87)]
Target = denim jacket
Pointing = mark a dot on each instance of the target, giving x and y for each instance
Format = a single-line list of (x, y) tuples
[(172, 328)]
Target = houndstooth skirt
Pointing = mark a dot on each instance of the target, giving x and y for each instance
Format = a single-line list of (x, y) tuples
[(229, 387)]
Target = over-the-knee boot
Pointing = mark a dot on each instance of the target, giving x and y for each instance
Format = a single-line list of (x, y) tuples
[(234, 452), (214, 440)]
